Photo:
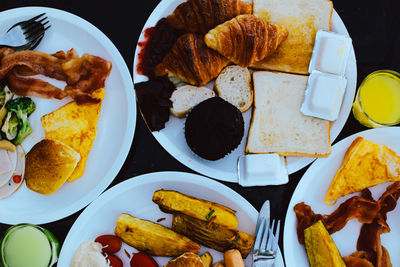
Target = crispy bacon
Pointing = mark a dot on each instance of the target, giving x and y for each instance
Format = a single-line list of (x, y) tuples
[(371, 213), (83, 75), (33, 87), (369, 239), (363, 210)]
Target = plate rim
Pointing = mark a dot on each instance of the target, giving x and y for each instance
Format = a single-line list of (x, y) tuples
[(227, 176), (127, 141), (290, 218), (148, 178)]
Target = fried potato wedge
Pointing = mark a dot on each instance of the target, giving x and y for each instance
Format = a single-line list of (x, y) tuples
[(153, 238), (207, 259), (212, 235), (204, 210)]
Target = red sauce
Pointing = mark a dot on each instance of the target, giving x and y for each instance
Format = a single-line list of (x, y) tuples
[(158, 41), (17, 179)]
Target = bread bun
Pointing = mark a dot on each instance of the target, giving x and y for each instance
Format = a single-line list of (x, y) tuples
[(48, 165)]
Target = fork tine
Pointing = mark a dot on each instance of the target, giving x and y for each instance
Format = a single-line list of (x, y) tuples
[(264, 239), (270, 234), (35, 18), (37, 31), (34, 25), (31, 21), (276, 236), (260, 234)]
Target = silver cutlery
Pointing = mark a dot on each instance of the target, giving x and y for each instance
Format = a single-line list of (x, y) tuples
[(26, 34), (266, 242)]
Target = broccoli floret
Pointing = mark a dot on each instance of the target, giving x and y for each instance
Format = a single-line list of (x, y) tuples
[(10, 126), (22, 107)]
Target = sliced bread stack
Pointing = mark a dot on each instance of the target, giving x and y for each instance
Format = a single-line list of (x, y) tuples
[(277, 124)]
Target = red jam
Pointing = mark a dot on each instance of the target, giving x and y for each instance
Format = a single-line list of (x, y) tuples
[(158, 41)]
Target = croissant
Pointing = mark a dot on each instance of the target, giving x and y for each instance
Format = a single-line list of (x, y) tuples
[(192, 61), (246, 39), (200, 16)]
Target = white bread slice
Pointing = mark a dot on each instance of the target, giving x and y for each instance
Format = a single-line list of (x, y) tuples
[(233, 84), (303, 18), (277, 124), (185, 97)]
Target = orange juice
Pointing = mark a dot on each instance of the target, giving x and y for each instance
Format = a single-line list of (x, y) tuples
[(377, 103)]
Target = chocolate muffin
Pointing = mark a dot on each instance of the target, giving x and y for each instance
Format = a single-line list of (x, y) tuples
[(214, 128)]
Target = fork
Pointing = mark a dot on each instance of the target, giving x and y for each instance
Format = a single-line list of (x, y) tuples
[(26, 34), (266, 244)]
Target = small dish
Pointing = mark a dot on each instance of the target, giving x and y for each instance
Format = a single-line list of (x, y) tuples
[(323, 96), (262, 169), (331, 53)]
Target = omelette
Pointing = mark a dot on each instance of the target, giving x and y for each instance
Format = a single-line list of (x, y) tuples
[(76, 126), (365, 164)]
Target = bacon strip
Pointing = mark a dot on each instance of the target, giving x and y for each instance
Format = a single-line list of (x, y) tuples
[(83, 75), (371, 213), (369, 239), (362, 209), (33, 87)]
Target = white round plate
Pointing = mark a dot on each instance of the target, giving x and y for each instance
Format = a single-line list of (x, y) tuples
[(172, 137), (313, 187), (134, 196), (116, 123)]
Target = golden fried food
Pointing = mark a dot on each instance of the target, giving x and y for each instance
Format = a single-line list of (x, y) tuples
[(48, 165), (175, 202), (321, 248), (207, 259), (153, 238), (365, 164), (76, 126), (187, 259), (212, 235)]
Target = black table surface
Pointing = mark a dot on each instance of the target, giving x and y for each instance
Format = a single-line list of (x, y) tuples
[(373, 25)]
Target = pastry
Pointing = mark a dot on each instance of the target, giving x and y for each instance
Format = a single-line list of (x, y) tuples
[(246, 39), (191, 61), (199, 16)]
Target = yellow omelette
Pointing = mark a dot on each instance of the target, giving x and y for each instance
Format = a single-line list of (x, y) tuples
[(76, 126), (365, 164)]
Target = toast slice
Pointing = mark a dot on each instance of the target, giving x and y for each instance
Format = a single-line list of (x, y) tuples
[(277, 124), (303, 20), (365, 164), (233, 84)]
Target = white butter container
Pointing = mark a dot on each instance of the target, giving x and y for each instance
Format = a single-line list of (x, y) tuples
[(331, 52), (262, 169), (323, 96)]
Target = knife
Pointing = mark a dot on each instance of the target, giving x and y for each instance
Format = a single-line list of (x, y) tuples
[(262, 216)]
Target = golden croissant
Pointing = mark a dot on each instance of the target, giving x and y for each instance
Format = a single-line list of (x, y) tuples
[(200, 16), (246, 39), (192, 61)]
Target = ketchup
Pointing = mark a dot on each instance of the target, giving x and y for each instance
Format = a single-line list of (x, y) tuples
[(158, 41)]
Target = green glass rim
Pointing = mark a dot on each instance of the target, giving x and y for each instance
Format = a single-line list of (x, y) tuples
[(369, 76), (51, 239)]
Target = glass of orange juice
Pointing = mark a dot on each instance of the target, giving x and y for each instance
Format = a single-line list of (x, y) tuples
[(377, 103)]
